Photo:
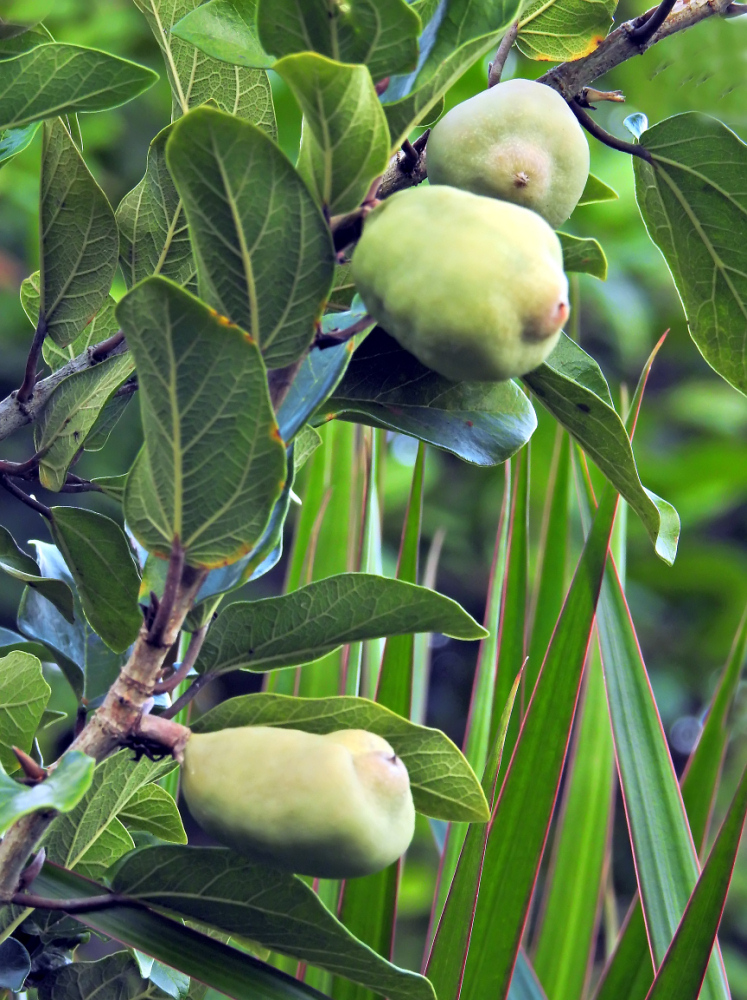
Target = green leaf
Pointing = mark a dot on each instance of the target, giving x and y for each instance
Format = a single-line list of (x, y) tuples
[(404, 114), (233, 972), (307, 441), (449, 950), (394, 689), (571, 386), (566, 938), (112, 976), (91, 837), (443, 784), (196, 78), (481, 422), (311, 622), (61, 791), (15, 140), (152, 810), (277, 909), (681, 974), (210, 368), (106, 577), (595, 191), (585, 255), (248, 209), (12, 641), (562, 30), (90, 667), (57, 79), (152, 226), (15, 965), (694, 203), (18, 564), (666, 862), (524, 808), (106, 421), (70, 414), (380, 33), (101, 327), (23, 697), (345, 139), (78, 237), (113, 486), (225, 30), (319, 373)]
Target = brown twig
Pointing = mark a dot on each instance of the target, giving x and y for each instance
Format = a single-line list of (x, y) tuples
[(166, 603), (30, 501), (190, 658), (401, 172), (35, 772), (101, 351), (589, 94), (495, 69), (651, 22), (29, 379), (336, 337), (606, 137), (87, 905), (197, 684)]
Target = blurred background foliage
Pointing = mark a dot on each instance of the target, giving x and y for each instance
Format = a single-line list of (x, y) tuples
[(691, 443)]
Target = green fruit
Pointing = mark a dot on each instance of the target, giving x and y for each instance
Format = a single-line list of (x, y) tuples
[(518, 141), (333, 806), (473, 287)]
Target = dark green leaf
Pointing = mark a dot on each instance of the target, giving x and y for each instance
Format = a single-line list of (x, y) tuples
[(571, 386), (16, 563), (115, 977), (61, 791), (217, 887), (459, 45), (23, 697), (481, 422), (15, 965), (106, 421), (57, 79), (106, 577), (443, 783), (88, 664), (217, 403), (15, 140), (113, 486), (196, 78), (152, 225), (233, 972), (693, 199), (70, 414), (311, 622), (79, 242), (319, 373), (345, 142), (248, 209), (10, 641), (226, 30), (585, 255), (380, 33)]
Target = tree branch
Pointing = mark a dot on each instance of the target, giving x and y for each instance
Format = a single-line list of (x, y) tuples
[(29, 379), (642, 32), (18, 493), (606, 137), (15, 413), (85, 905), (190, 658), (570, 77), (495, 69)]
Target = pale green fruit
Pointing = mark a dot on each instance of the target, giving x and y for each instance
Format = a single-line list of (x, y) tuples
[(518, 141), (472, 286), (333, 806)]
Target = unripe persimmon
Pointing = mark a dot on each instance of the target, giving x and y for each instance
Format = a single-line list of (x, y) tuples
[(518, 141)]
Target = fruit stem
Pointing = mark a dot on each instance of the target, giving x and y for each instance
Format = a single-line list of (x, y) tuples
[(495, 69)]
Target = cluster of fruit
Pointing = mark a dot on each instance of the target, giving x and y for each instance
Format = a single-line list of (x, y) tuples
[(466, 273)]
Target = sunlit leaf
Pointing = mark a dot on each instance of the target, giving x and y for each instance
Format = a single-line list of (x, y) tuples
[(61, 791), (561, 30), (583, 255), (226, 30), (23, 697)]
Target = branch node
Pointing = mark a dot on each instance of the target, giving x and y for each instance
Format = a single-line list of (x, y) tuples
[(606, 137), (33, 771)]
